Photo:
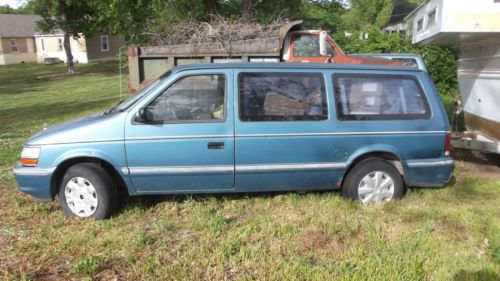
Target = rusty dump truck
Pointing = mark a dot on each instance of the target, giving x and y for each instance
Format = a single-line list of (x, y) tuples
[(288, 44)]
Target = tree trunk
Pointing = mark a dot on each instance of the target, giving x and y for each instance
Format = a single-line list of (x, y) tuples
[(212, 7), (69, 55), (67, 45), (248, 8)]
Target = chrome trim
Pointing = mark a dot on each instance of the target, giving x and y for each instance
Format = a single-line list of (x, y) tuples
[(179, 137), (430, 163), (284, 134), (225, 169), (79, 142), (343, 133), (285, 167), (179, 169), (29, 171)]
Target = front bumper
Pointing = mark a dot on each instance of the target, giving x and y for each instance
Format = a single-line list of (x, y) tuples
[(34, 181), (434, 172)]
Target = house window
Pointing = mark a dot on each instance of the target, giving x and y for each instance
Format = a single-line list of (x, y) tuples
[(59, 44), (431, 18), (42, 43), (104, 43), (420, 24), (13, 46)]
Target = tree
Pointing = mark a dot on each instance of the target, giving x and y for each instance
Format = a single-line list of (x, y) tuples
[(25, 9), (73, 18), (363, 13), (324, 14)]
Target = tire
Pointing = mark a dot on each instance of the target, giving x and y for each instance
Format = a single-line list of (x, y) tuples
[(361, 182), (88, 191)]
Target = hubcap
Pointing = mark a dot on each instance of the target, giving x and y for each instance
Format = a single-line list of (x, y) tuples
[(375, 187), (81, 197)]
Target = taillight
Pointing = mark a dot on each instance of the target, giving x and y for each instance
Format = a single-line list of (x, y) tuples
[(447, 144)]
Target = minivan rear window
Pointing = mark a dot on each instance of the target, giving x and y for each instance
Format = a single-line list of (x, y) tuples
[(379, 97), (282, 97)]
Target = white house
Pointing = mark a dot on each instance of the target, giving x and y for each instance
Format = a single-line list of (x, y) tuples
[(84, 49), (473, 26)]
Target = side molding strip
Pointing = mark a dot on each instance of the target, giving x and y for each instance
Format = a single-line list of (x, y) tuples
[(227, 169), (28, 171), (430, 163), (288, 167), (180, 170)]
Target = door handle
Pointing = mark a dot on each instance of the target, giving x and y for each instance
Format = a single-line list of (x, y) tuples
[(215, 145)]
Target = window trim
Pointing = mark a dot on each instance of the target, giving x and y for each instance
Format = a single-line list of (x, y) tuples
[(226, 106), (380, 117), (13, 40), (423, 25), (107, 43), (278, 119), (429, 22)]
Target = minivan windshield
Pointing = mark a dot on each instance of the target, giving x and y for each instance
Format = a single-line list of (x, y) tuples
[(123, 105)]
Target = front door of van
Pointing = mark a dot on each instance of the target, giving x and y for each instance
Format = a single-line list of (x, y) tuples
[(187, 142)]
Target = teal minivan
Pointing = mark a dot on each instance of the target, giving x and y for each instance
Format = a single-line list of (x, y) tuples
[(369, 131)]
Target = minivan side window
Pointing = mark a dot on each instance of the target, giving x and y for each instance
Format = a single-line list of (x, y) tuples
[(282, 97), (379, 97), (191, 98)]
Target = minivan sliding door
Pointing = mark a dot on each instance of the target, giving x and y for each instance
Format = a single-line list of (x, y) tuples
[(282, 128)]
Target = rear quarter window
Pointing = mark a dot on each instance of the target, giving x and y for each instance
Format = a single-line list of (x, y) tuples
[(379, 97)]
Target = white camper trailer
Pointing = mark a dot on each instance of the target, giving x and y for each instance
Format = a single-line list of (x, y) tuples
[(474, 26), (479, 80)]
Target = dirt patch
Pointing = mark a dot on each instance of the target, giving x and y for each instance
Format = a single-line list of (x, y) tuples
[(318, 240), (478, 164), (112, 273)]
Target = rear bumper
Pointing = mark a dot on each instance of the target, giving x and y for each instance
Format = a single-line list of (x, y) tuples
[(434, 172), (34, 181)]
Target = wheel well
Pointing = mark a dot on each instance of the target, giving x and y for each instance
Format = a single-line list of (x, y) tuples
[(64, 166), (390, 157)]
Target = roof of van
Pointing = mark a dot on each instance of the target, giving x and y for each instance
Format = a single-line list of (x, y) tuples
[(292, 65)]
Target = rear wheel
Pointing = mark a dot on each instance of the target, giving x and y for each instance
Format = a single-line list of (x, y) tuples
[(373, 180), (88, 191)]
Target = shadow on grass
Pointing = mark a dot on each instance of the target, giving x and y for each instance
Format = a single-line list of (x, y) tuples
[(463, 189), (476, 157), (481, 275), (30, 71), (146, 202)]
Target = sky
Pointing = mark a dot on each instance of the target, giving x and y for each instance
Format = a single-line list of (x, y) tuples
[(12, 3)]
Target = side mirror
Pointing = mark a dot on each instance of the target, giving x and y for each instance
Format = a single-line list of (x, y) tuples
[(141, 116), (323, 43)]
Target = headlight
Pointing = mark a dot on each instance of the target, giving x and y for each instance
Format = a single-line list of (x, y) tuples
[(29, 156)]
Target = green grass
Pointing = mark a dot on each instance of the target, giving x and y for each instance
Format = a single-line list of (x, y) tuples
[(432, 234)]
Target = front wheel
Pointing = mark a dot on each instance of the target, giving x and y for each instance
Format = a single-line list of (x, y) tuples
[(373, 180), (88, 191)]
